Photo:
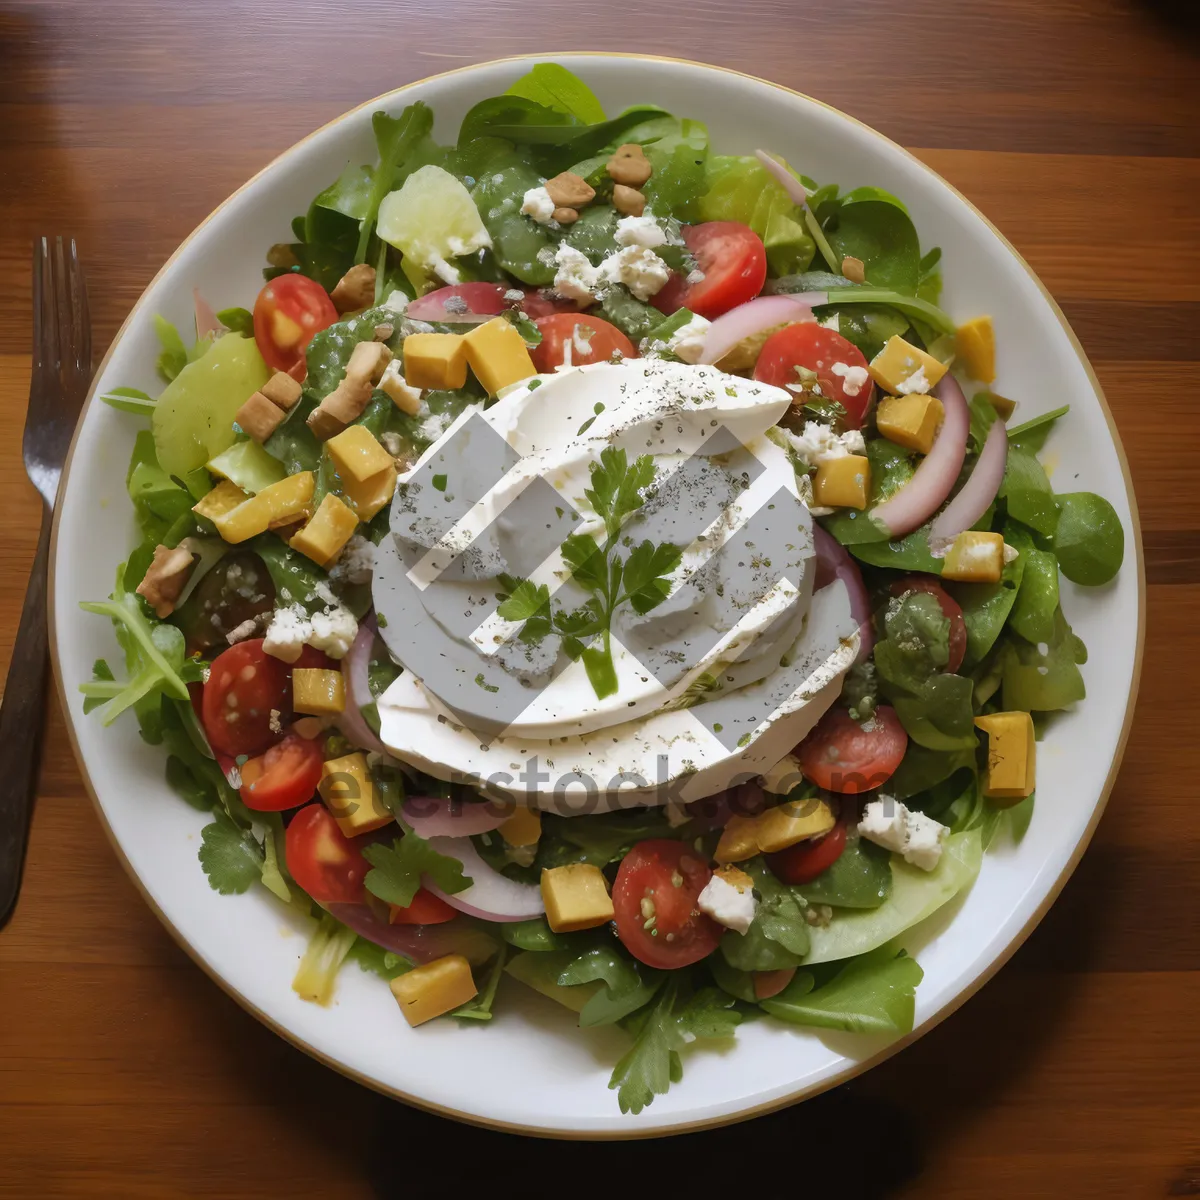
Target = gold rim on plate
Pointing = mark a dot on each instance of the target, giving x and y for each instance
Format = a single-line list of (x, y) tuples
[(631, 1132)]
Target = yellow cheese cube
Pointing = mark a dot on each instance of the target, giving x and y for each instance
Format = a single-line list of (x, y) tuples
[(901, 368), (357, 454), (1002, 404), (433, 989), (792, 822), (843, 482), (975, 557), (435, 360), (278, 504), (349, 793), (328, 531), (318, 691), (576, 897), (1012, 752), (224, 498), (369, 496), (523, 828), (739, 840), (910, 421), (497, 355), (975, 347)]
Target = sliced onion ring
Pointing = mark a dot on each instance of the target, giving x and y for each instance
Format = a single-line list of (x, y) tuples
[(478, 301), (976, 494), (358, 691), (933, 480), (439, 816), (491, 896), (418, 943), (794, 188), (834, 562), (753, 317)]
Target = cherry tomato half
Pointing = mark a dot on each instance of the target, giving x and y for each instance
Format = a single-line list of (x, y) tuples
[(839, 365), (662, 880), (288, 312), (804, 861), (578, 340), (322, 860), (840, 755), (244, 685), (951, 610), (734, 262), (425, 909), (284, 777)]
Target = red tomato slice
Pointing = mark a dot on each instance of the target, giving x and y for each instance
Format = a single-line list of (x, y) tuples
[(322, 860), (577, 339), (804, 861), (820, 350), (288, 312), (951, 609), (840, 755), (425, 909), (646, 888), (771, 983), (734, 262), (450, 303), (285, 777), (244, 685)]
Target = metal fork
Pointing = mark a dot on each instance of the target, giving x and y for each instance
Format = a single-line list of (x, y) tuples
[(62, 371)]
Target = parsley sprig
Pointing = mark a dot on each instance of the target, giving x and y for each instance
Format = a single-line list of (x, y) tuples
[(614, 573)]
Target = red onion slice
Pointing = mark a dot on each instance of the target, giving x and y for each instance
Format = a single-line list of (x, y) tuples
[(753, 317), (933, 480), (418, 943), (206, 320), (794, 188), (439, 817), (977, 493), (834, 562), (491, 896), (469, 304), (358, 690)]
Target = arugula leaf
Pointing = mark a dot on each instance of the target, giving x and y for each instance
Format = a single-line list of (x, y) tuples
[(378, 961), (231, 857), (174, 355), (397, 870), (554, 87), (395, 137), (875, 993), (652, 1064), (628, 985), (1032, 434), (479, 1007)]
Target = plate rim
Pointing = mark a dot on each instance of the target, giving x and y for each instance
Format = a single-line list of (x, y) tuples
[(632, 1132)]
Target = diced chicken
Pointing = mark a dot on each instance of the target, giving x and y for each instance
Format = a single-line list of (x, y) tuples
[(259, 417), (355, 289), (166, 577), (282, 389), (346, 402)]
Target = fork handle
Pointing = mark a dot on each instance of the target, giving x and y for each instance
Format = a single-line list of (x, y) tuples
[(21, 718)]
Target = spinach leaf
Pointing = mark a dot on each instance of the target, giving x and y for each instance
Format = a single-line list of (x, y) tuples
[(929, 283), (629, 314), (679, 160), (1034, 680), (1088, 539), (923, 769), (910, 553), (941, 715), (1027, 491), (521, 246), (1032, 434), (778, 936), (916, 641), (868, 326), (1037, 598), (594, 234), (861, 876), (396, 137), (535, 935), (986, 606), (628, 985), (554, 87), (883, 237), (891, 468)]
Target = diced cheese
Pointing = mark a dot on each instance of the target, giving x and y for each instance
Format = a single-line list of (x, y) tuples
[(1012, 753), (349, 793), (918, 838), (910, 421), (357, 454), (975, 557), (975, 348), (843, 482), (728, 898), (224, 498), (433, 989), (496, 353), (923, 841), (435, 360), (327, 532), (576, 897), (523, 828), (278, 504), (792, 822), (369, 496), (901, 368), (318, 691)]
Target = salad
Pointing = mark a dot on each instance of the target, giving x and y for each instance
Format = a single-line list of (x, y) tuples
[(583, 565)]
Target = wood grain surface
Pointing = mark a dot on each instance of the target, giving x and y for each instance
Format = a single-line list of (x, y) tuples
[(1075, 125)]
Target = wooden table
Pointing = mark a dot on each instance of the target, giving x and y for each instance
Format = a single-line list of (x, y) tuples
[(1075, 127)]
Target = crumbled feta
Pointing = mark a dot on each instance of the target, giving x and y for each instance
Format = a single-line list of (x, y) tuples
[(853, 378), (687, 342), (274, 722), (582, 337), (640, 231), (576, 278), (396, 300), (356, 563), (287, 633), (818, 443), (1011, 553), (728, 898), (694, 277), (915, 836), (639, 269), (334, 631), (240, 632), (538, 205), (917, 384), (391, 442), (783, 776)]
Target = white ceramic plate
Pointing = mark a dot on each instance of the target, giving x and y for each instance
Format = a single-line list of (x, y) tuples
[(530, 1069)]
